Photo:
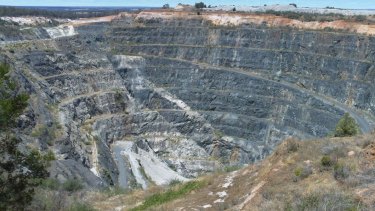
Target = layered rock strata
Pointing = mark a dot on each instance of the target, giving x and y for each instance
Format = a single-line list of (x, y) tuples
[(149, 99)]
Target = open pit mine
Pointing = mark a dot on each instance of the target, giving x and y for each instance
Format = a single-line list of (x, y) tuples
[(148, 97)]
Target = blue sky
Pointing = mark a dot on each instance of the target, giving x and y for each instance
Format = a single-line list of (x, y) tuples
[(355, 4)]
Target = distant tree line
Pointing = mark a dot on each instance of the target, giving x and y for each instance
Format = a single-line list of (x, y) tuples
[(16, 12), (303, 16)]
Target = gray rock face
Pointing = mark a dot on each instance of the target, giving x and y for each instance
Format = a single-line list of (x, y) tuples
[(138, 97), (335, 61), (68, 169), (11, 33)]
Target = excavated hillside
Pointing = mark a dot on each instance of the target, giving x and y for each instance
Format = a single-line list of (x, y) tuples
[(147, 98)]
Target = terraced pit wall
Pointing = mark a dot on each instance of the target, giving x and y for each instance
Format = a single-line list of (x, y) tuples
[(148, 99)]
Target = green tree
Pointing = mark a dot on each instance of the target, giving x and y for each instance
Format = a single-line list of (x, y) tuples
[(346, 126), (12, 103), (20, 171), (165, 6), (200, 5)]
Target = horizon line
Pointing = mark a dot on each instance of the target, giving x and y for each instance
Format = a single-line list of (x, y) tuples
[(135, 6), (68, 6)]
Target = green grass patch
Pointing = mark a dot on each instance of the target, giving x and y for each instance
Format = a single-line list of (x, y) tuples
[(169, 195), (78, 206), (115, 191), (72, 185), (51, 184), (232, 168), (174, 182)]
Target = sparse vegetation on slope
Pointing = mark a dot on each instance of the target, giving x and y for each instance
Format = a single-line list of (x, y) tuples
[(325, 200), (331, 173)]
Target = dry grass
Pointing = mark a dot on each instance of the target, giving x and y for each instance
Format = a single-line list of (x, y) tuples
[(281, 191)]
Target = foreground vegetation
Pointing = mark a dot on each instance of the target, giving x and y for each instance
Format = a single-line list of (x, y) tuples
[(53, 195), (323, 174), (326, 174), (20, 170)]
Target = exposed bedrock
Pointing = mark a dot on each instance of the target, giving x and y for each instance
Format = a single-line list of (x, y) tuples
[(147, 101), (335, 64)]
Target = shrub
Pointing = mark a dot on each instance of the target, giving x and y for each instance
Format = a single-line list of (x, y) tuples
[(306, 171), (326, 161), (46, 200), (20, 173), (72, 185), (302, 172), (298, 172), (4, 70), (119, 99), (52, 184), (341, 171), (114, 191), (50, 156), (309, 201), (174, 182), (328, 29), (360, 18), (346, 126), (325, 200), (292, 145)]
